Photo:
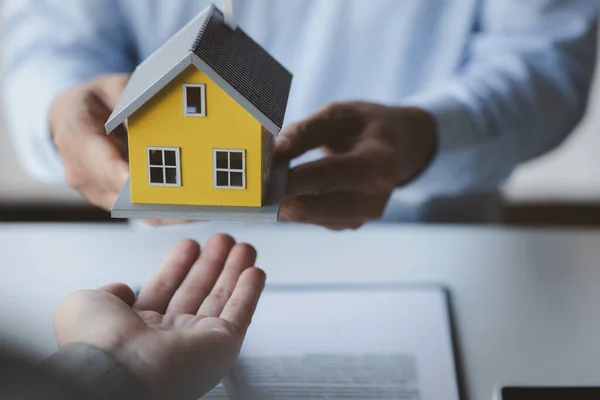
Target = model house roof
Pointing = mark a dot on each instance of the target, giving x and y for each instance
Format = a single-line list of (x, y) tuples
[(230, 58)]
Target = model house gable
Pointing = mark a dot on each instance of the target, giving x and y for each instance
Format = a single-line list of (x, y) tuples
[(230, 58)]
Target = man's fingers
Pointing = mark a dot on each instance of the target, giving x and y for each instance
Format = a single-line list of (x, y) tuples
[(340, 224), (122, 291), (111, 88), (335, 173), (242, 257), (157, 293), (344, 210), (326, 126), (119, 137), (100, 154), (241, 306), (166, 222), (98, 196), (202, 277), (106, 164), (101, 189)]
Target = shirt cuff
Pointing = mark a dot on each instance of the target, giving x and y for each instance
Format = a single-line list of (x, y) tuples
[(95, 371), (455, 137)]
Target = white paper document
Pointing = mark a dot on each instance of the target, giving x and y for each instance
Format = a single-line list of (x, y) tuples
[(347, 344)]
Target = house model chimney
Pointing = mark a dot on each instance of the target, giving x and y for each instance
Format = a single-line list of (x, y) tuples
[(229, 13)]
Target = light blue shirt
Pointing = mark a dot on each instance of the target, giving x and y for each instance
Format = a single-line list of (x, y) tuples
[(506, 80)]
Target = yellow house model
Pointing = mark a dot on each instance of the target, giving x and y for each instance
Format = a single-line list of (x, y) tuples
[(202, 113)]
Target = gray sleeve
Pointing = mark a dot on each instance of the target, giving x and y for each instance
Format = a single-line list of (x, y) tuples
[(95, 371)]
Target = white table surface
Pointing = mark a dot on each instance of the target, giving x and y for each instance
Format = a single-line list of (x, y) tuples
[(526, 303)]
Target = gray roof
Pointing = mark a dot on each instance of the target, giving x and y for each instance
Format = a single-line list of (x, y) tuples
[(231, 59)]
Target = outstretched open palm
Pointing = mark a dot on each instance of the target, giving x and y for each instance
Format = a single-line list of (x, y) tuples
[(185, 329)]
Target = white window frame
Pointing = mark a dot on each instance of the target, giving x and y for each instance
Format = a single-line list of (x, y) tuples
[(228, 169), (202, 87), (164, 167)]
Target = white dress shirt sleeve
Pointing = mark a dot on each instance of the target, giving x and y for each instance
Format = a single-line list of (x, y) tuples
[(522, 88), (50, 46)]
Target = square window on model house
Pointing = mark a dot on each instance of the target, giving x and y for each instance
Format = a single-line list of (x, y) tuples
[(164, 166), (229, 168), (194, 100)]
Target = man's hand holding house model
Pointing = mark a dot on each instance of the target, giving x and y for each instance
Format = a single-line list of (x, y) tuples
[(429, 111), (201, 139)]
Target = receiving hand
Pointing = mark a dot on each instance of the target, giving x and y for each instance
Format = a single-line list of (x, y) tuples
[(184, 331), (370, 151)]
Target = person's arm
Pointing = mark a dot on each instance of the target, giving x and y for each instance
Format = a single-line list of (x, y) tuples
[(175, 341), (522, 89), (50, 46)]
